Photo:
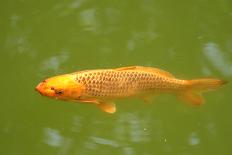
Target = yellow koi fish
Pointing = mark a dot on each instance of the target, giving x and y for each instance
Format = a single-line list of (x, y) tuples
[(102, 86)]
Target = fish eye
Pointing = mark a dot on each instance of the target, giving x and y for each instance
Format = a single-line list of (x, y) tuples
[(58, 92), (78, 98)]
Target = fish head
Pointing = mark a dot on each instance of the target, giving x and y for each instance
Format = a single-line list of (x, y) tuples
[(64, 87)]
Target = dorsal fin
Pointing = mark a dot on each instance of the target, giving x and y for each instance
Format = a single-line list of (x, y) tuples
[(150, 69), (127, 68)]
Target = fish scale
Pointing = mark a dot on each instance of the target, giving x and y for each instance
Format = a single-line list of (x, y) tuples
[(120, 83)]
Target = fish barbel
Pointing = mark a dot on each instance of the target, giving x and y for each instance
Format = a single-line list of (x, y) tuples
[(102, 86)]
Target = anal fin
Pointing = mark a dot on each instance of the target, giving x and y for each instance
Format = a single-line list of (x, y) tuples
[(148, 98), (192, 98)]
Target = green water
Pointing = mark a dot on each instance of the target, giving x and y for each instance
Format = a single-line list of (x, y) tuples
[(40, 39)]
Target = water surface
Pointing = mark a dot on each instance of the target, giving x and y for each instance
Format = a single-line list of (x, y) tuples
[(191, 39)]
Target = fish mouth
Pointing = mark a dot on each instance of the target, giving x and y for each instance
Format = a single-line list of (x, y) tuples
[(39, 88), (44, 90)]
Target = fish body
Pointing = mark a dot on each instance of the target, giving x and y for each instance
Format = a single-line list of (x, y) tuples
[(101, 87)]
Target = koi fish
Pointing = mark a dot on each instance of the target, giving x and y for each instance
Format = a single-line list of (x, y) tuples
[(102, 86)]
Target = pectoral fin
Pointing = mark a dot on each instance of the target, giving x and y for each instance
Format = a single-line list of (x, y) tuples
[(107, 107), (88, 100)]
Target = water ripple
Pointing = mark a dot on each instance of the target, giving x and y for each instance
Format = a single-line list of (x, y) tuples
[(218, 59)]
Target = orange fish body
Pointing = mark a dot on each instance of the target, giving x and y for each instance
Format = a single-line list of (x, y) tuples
[(103, 86)]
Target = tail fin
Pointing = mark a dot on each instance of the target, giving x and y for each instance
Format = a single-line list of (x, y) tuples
[(196, 87), (206, 84)]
